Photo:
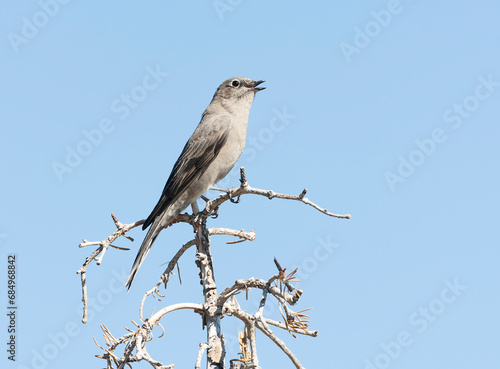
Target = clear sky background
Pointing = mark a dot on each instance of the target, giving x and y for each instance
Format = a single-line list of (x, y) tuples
[(385, 110)]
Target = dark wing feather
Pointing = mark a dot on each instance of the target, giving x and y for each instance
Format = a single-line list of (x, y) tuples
[(195, 158)]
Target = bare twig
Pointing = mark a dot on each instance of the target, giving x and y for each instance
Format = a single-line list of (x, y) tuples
[(198, 308), (264, 328), (203, 348), (166, 275), (244, 284), (253, 346), (121, 229), (243, 235), (270, 194), (103, 245), (283, 326), (83, 276), (137, 339)]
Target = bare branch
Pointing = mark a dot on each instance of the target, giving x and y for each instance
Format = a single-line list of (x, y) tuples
[(265, 291), (283, 326), (98, 254), (270, 194), (249, 236), (166, 275), (137, 339), (121, 229), (264, 328), (203, 348), (244, 284), (253, 346), (198, 308), (83, 276)]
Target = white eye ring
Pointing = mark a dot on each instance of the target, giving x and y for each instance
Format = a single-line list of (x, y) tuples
[(235, 83)]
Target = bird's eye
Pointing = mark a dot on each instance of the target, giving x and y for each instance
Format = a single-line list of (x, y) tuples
[(235, 83)]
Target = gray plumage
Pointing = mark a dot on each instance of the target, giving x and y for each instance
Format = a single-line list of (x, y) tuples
[(210, 153)]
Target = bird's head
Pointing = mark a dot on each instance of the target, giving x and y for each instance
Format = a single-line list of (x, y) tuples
[(238, 87)]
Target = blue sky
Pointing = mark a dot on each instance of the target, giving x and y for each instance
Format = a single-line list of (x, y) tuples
[(387, 110)]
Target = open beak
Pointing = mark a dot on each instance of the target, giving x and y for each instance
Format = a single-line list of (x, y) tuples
[(254, 85)]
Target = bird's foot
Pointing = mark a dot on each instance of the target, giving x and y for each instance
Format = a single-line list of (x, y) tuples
[(235, 201), (215, 213), (231, 198)]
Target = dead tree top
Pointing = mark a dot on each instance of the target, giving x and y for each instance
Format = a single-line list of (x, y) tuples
[(279, 286)]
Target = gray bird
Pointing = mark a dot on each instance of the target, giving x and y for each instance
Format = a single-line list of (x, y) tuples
[(210, 153)]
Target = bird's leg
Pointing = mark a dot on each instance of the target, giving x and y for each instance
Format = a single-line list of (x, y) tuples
[(196, 214)]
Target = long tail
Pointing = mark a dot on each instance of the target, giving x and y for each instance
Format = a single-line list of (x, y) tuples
[(143, 251)]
